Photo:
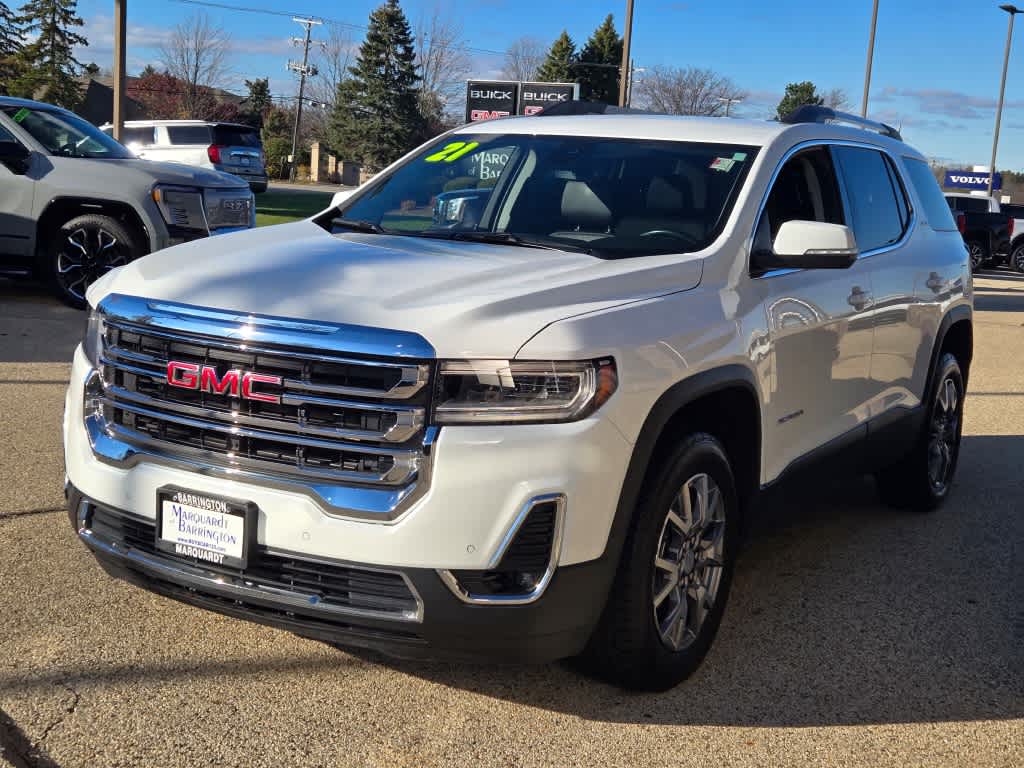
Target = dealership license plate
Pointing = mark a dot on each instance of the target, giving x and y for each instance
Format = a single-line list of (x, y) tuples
[(243, 160), (204, 528)]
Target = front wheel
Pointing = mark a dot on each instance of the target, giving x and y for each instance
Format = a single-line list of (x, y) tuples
[(978, 254), (83, 250), (923, 478), (671, 588)]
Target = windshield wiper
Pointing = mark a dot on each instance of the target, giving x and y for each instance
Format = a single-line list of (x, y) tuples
[(507, 238), (357, 225)]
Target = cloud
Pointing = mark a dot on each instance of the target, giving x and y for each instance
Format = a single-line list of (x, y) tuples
[(910, 121), (937, 101), (889, 93)]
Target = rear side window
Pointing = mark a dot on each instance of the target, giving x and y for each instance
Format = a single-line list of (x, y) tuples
[(1017, 211), (877, 205), (235, 136), (143, 136), (936, 211), (189, 134)]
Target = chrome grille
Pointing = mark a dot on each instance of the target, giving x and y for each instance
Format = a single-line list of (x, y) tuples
[(342, 419)]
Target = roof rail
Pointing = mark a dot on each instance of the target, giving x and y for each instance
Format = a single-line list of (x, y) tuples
[(813, 113)]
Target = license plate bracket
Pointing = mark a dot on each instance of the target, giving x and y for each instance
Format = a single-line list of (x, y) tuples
[(203, 528)]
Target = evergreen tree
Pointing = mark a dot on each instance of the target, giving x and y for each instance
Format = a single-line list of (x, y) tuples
[(558, 66), (49, 68), (258, 101), (798, 94), (376, 117), (10, 47), (601, 83)]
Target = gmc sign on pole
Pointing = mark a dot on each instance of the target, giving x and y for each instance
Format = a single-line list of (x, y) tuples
[(536, 96), (971, 180), (488, 99)]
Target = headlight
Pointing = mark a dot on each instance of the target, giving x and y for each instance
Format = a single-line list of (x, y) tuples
[(92, 342), (181, 206), (514, 391)]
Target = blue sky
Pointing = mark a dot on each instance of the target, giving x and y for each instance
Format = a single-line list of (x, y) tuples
[(936, 69)]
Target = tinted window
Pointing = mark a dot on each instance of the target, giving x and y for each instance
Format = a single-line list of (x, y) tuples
[(6, 135), (972, 205), (608, 196), (189, 134), (1016, 211), (65, 134), (874, 203), (933, 202), (235, 136), (143, 136)]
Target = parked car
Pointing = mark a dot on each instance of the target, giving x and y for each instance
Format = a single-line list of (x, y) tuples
[(986, 229), (227, 147), (528, 425), (75, 204), (1016, 212)]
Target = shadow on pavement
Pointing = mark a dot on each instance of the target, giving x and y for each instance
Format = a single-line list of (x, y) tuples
[(35, 327), (842, 612)]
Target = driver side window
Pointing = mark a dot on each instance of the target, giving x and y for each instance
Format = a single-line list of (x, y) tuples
[(806, 189)]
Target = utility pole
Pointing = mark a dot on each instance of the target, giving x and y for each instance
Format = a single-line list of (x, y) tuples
[(729, 101), (626, 72), (304, 70), (1013, 11), (871, 56), (120, 41)]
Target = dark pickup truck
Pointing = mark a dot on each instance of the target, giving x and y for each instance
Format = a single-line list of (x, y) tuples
[(986, 230)]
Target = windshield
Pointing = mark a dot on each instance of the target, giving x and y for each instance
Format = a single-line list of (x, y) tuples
[(607, 196), (66, 135)]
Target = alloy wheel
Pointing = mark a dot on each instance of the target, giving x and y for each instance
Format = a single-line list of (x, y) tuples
[(688, 562), (86, 255), (944, 435), (977, 254), (1017, 259)]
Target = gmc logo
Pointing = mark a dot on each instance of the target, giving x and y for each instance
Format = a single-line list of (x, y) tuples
[(235, 383), (486, 114)]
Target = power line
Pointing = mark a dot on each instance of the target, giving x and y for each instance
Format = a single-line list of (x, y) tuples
[(325, 20)]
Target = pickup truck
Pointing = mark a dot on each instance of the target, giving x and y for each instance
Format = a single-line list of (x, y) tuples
[(1017, 243), (986, 229)]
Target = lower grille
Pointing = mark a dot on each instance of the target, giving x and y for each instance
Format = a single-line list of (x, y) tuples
[(380, 593)]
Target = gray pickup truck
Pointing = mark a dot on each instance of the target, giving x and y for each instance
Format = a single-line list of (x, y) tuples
[(74, 203)]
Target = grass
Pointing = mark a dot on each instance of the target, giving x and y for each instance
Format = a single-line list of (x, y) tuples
[(280, 206)]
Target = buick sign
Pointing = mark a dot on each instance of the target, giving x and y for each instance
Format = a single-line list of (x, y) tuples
[(488, 99), (971, 180), (536, 96)]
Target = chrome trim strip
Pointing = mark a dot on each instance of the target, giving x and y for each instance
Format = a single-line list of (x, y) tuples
[(409, 420), (248, 328), (238, 588), (452, 582), (911, 225)]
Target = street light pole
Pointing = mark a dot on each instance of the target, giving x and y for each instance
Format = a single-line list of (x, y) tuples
[(1013, 11), (626, 71), (871, 56)]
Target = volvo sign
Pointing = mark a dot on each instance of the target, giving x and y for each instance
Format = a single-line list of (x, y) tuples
[(971, 180)]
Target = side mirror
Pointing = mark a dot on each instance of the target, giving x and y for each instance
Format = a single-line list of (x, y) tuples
[(341, 197), (810, 245), (15, 157)]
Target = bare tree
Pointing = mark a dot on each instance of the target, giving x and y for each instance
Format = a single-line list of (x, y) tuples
[(333, 60), (196, 53), (442, 60), (523, 58), (837, 99), (686, 91)]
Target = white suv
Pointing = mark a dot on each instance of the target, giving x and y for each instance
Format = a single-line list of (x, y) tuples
[(228, 147), (512, 398)]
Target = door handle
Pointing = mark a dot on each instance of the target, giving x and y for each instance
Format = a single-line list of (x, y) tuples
[(858, 299)]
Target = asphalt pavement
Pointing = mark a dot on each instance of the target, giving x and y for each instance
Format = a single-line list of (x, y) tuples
[(855, 635)]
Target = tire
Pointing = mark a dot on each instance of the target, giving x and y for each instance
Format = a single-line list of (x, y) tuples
[(636, 645), (1016, 259), (83, 250), (978, 254), (922, 479)]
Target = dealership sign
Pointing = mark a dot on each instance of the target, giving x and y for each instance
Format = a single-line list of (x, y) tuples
[(488, 99), (971, 180)]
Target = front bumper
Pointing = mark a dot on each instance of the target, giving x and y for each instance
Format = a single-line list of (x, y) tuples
[(556, 626)]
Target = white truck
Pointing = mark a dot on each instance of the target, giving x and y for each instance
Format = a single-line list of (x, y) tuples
[(519, 412)]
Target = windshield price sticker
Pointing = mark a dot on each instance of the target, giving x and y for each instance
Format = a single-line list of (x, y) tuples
[(723, 164), (21, 114)]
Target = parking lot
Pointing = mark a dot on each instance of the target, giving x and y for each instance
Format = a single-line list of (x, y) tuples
[(855, 635)]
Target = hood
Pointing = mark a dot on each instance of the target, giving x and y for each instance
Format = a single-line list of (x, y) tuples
[(465, 299), (177, 173)]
